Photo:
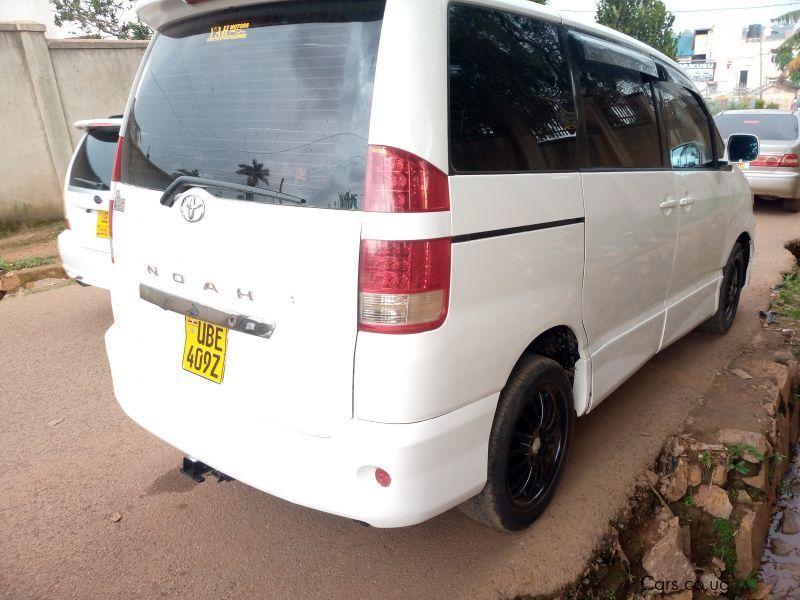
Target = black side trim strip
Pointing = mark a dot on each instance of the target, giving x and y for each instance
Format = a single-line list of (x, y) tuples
[(482, 235)]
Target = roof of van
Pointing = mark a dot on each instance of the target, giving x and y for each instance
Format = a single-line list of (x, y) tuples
[(158, 13), (95, 123)]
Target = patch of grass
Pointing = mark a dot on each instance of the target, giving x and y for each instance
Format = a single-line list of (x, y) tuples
[(724, 546), (7, 227), (688, 501), (26, 263), (788, 301), (706, 459)]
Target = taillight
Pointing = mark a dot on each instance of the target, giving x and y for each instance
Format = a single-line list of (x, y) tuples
[(776, 160), (398, 181), (404, 286), (116, 174)]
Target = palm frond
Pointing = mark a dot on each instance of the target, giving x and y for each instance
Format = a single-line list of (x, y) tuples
[(790, 17)]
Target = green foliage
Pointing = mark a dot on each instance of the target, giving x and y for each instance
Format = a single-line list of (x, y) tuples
[(706, 459), (737, 462), (773, 105), (724, 545), (778, 457), (648, 21), (787, 303), (688, 501), (25, 263), (99, 18), (759, 103), (786, 54)]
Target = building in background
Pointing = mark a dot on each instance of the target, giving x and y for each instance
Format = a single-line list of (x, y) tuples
[(734, 65), (30, 10)]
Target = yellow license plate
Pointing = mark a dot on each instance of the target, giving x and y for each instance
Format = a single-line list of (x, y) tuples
[(744, 165), (102, 229), (204, 350)]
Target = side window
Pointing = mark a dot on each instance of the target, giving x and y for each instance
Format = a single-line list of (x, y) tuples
[(619, 110), (687, 128), (511, 101)]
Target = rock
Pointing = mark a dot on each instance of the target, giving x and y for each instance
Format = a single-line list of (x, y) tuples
[(718, 564), (665, 560), (673, 487), (780, 548), (678, 450), (10, 282), (686, 535), (759, 480), (695, 477), (719, 475), (116, 517), (714, 500), (789, 524), (741, 374), (750, 538), (762, 592), (737, 437), (711, 584), (651, 477), (742, 497), (770, 409)]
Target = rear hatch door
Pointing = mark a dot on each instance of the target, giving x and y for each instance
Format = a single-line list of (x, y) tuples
[(266, 110), (88, 182)]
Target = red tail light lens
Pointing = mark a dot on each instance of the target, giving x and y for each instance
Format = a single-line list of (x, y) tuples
[(398, 181), (404, 287), (790, 160), (116, 174)]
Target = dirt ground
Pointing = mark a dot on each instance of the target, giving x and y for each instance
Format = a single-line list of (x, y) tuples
[(37, 241), (71, 460)]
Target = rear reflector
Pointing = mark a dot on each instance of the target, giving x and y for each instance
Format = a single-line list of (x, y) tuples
[(398, 181), (383, 478), (404, 286), (116, 174)]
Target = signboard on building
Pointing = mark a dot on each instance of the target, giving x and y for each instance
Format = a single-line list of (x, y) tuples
[(700, 71)]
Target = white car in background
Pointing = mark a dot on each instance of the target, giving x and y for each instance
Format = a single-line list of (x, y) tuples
[(84, 245)]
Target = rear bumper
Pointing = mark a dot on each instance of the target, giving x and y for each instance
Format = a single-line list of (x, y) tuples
[(781, 185), (434, 464), (91, 267)]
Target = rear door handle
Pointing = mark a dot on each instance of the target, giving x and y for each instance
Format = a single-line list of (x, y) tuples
[(668, 204)]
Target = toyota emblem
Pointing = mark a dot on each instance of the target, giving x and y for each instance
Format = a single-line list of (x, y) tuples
[(193, 208)]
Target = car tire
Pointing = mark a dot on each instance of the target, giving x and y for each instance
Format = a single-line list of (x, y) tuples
[(791, 204), (733, 277), (530, 435)]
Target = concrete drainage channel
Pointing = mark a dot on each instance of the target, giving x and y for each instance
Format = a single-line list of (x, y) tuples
[(698, 522), (14, 282)]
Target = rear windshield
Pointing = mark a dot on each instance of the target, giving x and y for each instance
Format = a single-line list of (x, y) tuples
[(767, 127), (94, 159), (276, 96)]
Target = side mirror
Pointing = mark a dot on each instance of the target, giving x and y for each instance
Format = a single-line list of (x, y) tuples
[(742, 148), (686, 156)]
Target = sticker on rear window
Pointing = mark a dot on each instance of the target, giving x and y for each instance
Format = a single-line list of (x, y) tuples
[(223, 33)]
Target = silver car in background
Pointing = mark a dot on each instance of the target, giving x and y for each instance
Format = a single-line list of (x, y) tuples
[(776, 171)]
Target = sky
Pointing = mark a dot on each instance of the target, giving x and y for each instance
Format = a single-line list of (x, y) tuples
[(694, 14)]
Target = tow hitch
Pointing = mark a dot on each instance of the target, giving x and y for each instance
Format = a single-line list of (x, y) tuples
[(196, 469)]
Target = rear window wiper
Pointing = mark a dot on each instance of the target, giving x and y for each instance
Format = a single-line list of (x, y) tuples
[(185, 182)]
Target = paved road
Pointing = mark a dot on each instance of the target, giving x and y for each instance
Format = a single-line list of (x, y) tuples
[(62, 484)]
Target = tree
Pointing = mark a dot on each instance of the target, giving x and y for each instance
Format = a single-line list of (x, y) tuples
[(100, 18), (786, 54), (648, 21)]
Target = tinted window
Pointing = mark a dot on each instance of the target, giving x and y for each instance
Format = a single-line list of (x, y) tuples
[(276, 96), (779, 127), (94, 159), (511, 102), (687, 129), (620, 116)]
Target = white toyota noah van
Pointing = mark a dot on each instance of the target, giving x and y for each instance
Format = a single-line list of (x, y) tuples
[(375, 256)]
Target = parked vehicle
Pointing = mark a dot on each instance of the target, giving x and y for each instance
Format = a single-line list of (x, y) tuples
[(84, 244), (374, 257), (775, 173)]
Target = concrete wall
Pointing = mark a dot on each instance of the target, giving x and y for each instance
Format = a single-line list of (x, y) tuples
[(45, 86)]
